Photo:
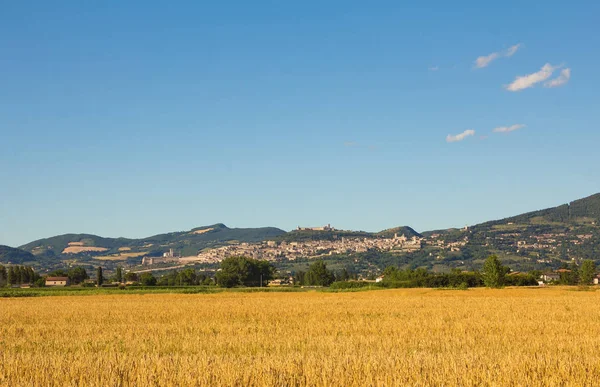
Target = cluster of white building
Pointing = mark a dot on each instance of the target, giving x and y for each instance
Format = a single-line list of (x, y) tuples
[(272, 250)]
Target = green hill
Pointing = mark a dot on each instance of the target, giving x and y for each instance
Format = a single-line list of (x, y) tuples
[(182, 242), (329, 235), (535, 240), (15, 256), (402, 230), (585, 210)]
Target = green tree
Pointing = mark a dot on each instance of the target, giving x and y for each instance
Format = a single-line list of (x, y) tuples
[(147, 279), (77, 275), (31, 275), (3, 276), (187, 277), (318, 275), (493, 272), (11, 278), (343, 275), (242, 271), (19, 275), (571, 277), (299, 278), (119, 274), (131, 276), (58, 273), (587, 272), (99, 276), (40, 282)]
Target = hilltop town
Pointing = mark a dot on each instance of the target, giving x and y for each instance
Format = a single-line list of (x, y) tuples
[(282, 250), (326, 242)]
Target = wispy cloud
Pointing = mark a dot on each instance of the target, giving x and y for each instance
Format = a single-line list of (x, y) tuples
[(349, 143), (460, 136), (512, 50), (507, 129), (485, 60), (434, 68), (529, 80), (562, 79)]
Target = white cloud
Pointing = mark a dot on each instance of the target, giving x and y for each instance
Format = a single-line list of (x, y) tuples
[(460, 136), (484, 61), (507, 129), (562, 79), (512, 50), (434, 68), (350, 143), (529, 80)]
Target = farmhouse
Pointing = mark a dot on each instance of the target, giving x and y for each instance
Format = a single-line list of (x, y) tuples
[(57, 281)]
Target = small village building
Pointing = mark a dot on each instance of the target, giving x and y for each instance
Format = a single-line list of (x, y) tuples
[(281, 282), (57, 281), (549, 277)]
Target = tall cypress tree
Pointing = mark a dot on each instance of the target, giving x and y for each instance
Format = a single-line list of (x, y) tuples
[(119, 274), (99, 278), (587, 272), (11, 276), (3, 275), (25, 277), (18, 275)]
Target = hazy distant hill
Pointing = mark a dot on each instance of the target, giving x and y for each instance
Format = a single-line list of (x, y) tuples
[(15, 256)]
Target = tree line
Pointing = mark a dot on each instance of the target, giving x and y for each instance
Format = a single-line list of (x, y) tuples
[(248, 272), (186, 277), (18, 275)]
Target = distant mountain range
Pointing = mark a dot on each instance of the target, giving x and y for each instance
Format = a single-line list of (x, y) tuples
[(529, 240)]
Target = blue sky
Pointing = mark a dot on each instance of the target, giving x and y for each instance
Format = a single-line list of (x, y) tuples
[(146, 117)]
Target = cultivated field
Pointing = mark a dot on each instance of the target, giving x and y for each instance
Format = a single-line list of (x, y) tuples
[(380, 338)]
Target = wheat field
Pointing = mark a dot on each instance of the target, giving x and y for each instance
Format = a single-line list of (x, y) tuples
[(403, 337)]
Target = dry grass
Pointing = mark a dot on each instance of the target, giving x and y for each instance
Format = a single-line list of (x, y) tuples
[(120, 256), (75, 243), (202, 231), (379, 338), (79, 249)]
